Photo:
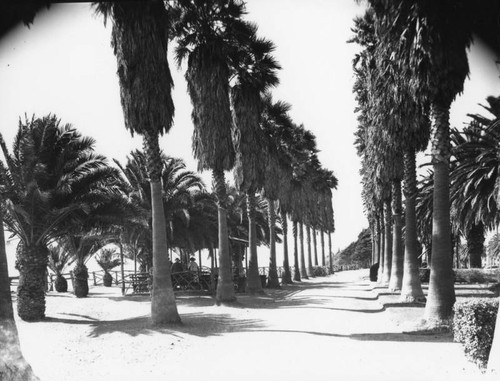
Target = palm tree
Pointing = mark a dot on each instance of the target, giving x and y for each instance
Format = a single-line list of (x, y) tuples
[(208, 37), (277, 127), (474, 177), (296, 266), (13, 365), (303, 268), (58, 260), (108, 260), (53, 182), (315, 246), (253, 78), (140, 42), (432, 60), (181, 189), (238, 224), (82, 247)]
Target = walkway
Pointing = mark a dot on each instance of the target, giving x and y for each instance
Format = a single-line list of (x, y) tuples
[(332, 328)]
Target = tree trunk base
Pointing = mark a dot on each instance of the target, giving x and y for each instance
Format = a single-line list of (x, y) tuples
[(409, 298), (395, 289), (13, 366), (274, 284), (287, 278), (228, 302)]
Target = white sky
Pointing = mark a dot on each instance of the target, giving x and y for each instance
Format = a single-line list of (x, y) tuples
[(64, 65)]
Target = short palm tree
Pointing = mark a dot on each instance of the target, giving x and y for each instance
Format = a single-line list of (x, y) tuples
[(59, 259), (140, 35), (474, 178), (179, 187), (53, 181), (208, 38), (82, 248), (108, 259)]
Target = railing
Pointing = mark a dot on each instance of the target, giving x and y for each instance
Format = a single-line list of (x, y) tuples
[(140, 282)]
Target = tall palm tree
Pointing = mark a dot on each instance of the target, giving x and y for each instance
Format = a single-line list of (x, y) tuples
[(432, 60), (277, 126), (208, 36), (315, 246), (303, 268), (254, 77), (140, 34), (53, 182)]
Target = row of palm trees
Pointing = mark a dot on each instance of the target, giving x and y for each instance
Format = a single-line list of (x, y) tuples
[(56, 189), (411, 66), (228, 71)]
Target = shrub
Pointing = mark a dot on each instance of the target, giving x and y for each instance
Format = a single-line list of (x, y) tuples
[(320, 271), (425, 274), (476, 275), (473, 326), (469, 276)]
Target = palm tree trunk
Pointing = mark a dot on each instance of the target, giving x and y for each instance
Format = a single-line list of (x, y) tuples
[(254, 284), (475, 244), (273, 280), (296, 270), (13, 366), (30, 292), (287, 275), (315, 246), (386, 276), (396, 281), (330, 252), (382, 246), (81, 279), (322, 239), (163, 306), (225, 287), (377, 243), (60, 284), (303, 269), (441, 295), (411, 289), (310, 270)]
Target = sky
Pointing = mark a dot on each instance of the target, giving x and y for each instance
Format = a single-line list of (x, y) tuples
[(64, 65)]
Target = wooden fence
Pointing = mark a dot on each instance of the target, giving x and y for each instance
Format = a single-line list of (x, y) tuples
[(138, 282)]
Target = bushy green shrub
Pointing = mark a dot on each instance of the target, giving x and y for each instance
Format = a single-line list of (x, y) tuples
[(473, 326), (321, 271)]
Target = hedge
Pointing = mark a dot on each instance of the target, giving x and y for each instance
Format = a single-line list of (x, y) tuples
[(473, 327), (466, 275), (321, 271)]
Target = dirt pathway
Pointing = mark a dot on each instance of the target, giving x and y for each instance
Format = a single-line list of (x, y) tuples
[(332, 328)]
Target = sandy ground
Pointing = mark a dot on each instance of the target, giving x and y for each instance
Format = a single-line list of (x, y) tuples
[(340, 327)]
